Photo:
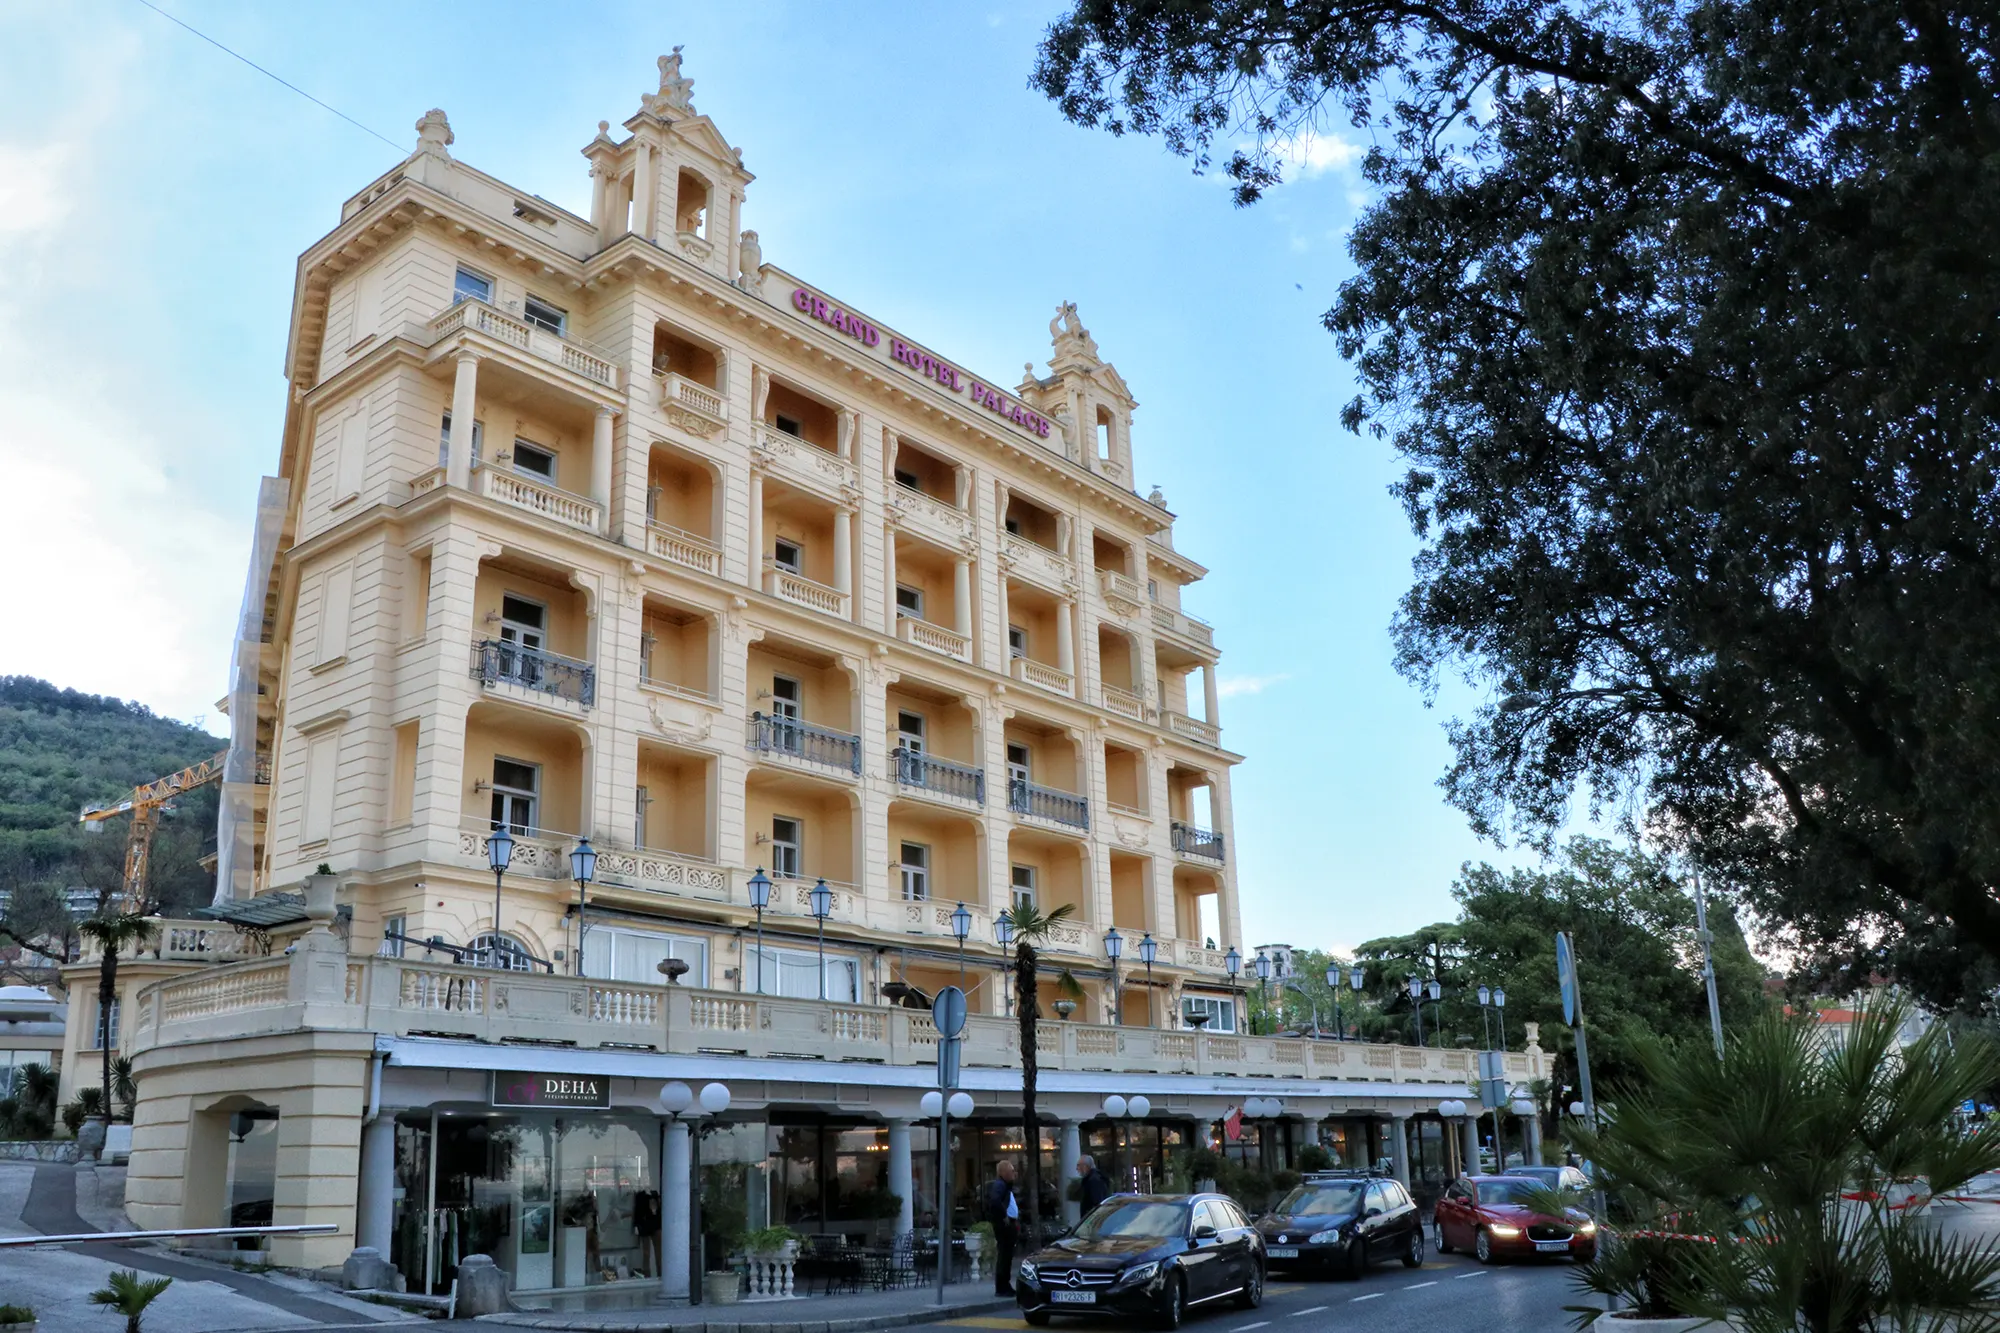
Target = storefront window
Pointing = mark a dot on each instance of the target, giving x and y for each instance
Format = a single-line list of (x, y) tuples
[(253, 1168)]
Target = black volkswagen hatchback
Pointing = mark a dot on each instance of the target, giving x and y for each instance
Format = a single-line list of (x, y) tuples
[(1152, 1255), (1338, 1223)]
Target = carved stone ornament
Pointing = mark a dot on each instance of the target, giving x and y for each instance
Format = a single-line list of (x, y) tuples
[(676, 91), (683, 418), (434, 134), (750, 264)]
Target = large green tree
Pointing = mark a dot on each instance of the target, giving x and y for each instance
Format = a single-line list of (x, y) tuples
[(1683, 317)]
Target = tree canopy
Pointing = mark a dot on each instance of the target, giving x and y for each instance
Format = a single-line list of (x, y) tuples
[(1682, 317)]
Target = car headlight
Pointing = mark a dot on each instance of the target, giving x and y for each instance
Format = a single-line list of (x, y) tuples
[(1330, 1236), (1509, 1232), (1586, 1228), (1027, 1271), (1142, 1273)]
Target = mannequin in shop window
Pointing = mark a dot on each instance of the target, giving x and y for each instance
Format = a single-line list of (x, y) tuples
[(646, 1223)]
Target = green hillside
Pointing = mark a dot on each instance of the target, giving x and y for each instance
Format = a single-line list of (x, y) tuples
[(61, 750)]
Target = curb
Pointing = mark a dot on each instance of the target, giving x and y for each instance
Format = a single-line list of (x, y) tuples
[(860, 1324)]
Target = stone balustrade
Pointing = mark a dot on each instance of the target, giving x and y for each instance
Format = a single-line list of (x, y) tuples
[(322, 987)]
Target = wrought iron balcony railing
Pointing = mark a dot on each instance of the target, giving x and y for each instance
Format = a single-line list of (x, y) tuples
[(805, 742), (930, 773), (1192, 841), (498, 662), (1058, 807)]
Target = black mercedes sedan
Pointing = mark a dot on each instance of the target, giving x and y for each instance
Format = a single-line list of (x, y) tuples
[(1156, 1256), (1339, 1223)]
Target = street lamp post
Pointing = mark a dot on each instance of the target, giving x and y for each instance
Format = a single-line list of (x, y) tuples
[(1415, 988), (583, 868), (822, 908), (1149, 949), (1003, 931), (961, 926), (499, 851), (1355, 982), (1485, 1015), (760, 898), (1437, 1009), (1232, 963), (1114, 946), (1263, 978), (1117, 1109), (1500, 1008), (683, 1104)]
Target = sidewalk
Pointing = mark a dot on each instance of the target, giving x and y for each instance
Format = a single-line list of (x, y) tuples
[(861, 1312)]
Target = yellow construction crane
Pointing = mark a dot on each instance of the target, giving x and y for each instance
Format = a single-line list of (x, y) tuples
[(144, 805)]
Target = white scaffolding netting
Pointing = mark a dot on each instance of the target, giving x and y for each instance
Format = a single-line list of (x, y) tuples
[(236, 815)]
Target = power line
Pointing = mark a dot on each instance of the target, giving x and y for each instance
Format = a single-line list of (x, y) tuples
[(269, 75)]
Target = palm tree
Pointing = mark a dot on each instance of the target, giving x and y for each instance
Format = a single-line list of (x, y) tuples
[(126, 1085), (129, 1294), (112, 934), (1031, 927), (1797, 1151)]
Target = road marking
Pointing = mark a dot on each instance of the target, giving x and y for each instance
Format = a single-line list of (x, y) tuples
[(1414, 1285), (1373, 1295), (1286, 1290), (1311, 1309), (1462, 1276), (985, 1321), (1245, 1328)]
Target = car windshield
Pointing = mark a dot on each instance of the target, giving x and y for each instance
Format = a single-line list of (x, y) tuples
[(1507, 1191), (1134, 1217), (1321, 1201), (1543, 1175)]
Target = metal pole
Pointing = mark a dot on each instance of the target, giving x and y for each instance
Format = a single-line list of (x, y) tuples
[(1117, 996), (1707, 938), (944, 1191), (493, 953), (760, 951), (822, 958)]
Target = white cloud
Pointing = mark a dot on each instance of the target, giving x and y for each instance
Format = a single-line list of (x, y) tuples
[(33, 197), (1229, 687), (1312, 153)]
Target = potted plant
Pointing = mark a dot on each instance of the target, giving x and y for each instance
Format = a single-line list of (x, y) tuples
[(17, 1318), (129, 1294), (979, 1241), (779, 1242)]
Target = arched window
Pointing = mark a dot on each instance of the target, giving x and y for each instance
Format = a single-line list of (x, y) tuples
[(502, 951)]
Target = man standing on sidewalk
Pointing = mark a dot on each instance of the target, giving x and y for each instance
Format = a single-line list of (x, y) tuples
[(1004, 1214), (1094, 1188)]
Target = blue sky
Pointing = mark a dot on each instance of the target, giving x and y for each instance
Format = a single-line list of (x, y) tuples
[(154, 196)]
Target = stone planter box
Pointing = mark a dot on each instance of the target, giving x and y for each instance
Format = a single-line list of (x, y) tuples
[(721, 1288)]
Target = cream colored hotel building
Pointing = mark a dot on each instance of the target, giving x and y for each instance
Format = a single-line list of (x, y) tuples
[(607, 527)]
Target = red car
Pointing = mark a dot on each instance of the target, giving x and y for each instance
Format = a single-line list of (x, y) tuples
[(1486, 1215)]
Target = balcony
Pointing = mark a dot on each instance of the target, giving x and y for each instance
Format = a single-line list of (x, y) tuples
[(321, 987), (573, 355), (922, 634), (939, 777), (683, 548), (538, 853), (804, 743), (1184, 627), (799, 590), (497, 662), (519, 492), (1194, 729), (1038, 563), (1030, 672), (936, 518), (1121, 590), (1125, 704), (694, 408), (820, 471), (1047, 803), (1197, 843)]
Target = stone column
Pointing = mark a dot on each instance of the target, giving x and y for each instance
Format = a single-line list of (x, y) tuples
[(674, 1220), (600, 465), (1211, 708), (645, 191), (1532, 1129), (756, 528), (900, 1177), (1399, 1147), (1072, 1148), (464, 409), (961, 597), (843, 558), (889, 578), (1469, 1136), (374, 1209), (1066, 636)]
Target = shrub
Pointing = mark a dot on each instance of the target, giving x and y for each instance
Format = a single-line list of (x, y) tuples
[(16, 1314), (1312, 1157), (766, 1239)]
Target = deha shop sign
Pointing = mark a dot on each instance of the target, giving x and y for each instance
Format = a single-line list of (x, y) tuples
[(515, 1088), (947, 376)]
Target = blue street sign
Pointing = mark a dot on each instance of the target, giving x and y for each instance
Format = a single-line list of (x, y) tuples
[(948, 1011)]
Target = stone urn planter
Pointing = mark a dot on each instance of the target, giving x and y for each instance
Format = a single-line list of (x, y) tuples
[(975, 1251), (319, 894), (722, 1288), (771, 1271), (90, 1138)]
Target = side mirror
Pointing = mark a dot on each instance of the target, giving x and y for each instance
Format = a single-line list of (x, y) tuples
[(1205, 1232)]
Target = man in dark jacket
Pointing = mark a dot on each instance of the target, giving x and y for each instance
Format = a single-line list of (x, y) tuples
[(1095, 1189), (998, 1207)]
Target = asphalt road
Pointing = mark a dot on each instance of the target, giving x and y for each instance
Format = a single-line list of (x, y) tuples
[(1449, 1293)]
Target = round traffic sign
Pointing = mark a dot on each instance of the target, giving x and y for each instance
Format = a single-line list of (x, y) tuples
[(948, 1011)]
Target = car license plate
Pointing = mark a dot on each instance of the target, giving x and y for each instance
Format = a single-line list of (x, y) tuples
[(1551, 1246), (1282, 1252), (1073, 1297)]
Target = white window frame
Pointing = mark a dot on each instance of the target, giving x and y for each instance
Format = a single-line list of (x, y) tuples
[(1023, 768), (641, 799), (530, 797), (393, 925), (601, 955), (99, 1035), (909, 737), (916, 873), (555, 320), (523, 470), (444, 439), (795, 973), (514, 957), (784, 849), (457, 289), (1021, 885), (796, 564), (523, 632), (1221, 1011), (789, 426), (1017, 641), (914, 608)]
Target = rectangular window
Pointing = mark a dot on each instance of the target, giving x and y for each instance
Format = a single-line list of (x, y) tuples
[(1024, 886), (795, 974), (469, 286), (787, 836), (908, 480), (107, 1027), (322, 759), (545, 316), (444, 441), (392, 925), (910, 731), (522, 621), (1153, 590), (788, 425), (613, 953), (1017, 642), (517, 792), (1221, 1013), (641, 798), (909, 602), (916, 868), (787, 700), (336, 613), (531, 460), (1020, 762), (788, 556), (1014, 526)]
